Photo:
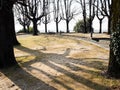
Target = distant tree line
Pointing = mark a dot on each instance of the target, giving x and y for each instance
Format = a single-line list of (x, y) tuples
[(98, 8), (40, 11), (37, 11)]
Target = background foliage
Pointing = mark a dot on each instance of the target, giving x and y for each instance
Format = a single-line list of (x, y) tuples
[(80, 28)]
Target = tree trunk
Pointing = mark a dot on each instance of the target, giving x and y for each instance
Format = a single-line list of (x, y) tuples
[(90, 22), (28, 29), (15, 41), (11, 27), (109, 21), (57, 25), (6, 37), (24, 27), (85, 31), (114, 66), (46, 24), (46, 28), (35, 30), (84, 15), (100, 31), (67, 23)]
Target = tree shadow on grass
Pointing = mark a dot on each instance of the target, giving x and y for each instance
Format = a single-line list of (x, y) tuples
[(94, 63), (18, 78), (57, 65)]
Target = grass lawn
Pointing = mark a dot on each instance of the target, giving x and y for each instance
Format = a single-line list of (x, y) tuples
[(54, 62)]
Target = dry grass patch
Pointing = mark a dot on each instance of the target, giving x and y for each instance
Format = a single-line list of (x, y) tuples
[(53, 62)]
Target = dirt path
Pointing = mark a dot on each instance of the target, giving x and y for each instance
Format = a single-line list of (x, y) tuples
[(58, 64)]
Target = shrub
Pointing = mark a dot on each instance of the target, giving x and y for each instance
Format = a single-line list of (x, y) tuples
[(21, 31), (80, 28), (30, 30)]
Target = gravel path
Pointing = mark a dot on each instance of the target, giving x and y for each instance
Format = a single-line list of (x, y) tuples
[(102, 40), (103, 43)]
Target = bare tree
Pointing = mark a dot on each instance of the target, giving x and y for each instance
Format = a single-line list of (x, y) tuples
[(67, 12), (57, 13), (34, 11), (91, 14), (19, 11), (25, 22), (106, 8), (106, 11), (99, 14), (46, 18)]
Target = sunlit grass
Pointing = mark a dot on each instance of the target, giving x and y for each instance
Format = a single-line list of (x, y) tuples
[(24, 59), (44, 40), (64, 63)]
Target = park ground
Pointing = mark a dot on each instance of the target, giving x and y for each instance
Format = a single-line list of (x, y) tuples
[(60, 62)]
